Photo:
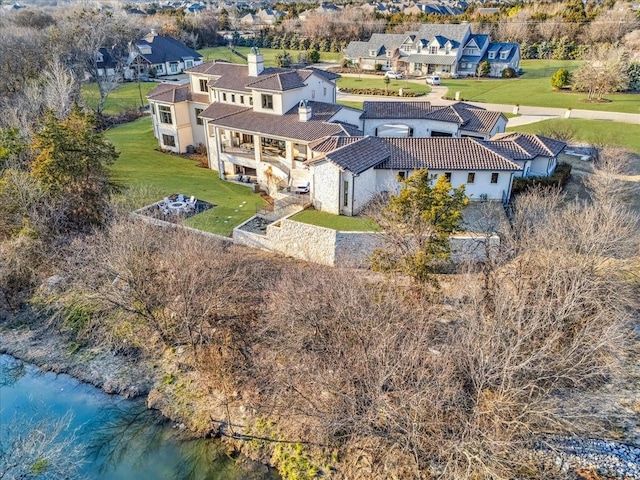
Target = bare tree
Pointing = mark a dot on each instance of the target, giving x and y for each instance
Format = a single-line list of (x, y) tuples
[(604, 72), (611, 25), (46, 448)]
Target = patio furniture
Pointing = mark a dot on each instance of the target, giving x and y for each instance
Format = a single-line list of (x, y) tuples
[(180, 197), (191, 203), (177, 207)]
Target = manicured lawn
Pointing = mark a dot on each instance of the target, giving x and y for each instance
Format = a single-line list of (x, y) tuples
[(394, 85), (140, 164), (357, 105), (533, 88), (269, 54), (126, 97), (336, 222), (598, 131)]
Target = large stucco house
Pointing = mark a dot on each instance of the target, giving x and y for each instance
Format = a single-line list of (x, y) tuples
[(282, 128), (444, 49)]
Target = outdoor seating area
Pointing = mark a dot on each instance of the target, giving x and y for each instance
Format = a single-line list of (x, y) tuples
[(176, 207)]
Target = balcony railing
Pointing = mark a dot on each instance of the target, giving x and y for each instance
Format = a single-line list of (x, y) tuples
[(242, 151)]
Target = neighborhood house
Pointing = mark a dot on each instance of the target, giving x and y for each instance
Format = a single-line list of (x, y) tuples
[(158, 56), (450, 50), (283, 129)]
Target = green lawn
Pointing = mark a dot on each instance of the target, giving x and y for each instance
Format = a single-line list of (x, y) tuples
[(533, 88), (126, 97), (394, 85), (163, 174), (596, 131), (269, 54), (336, 222)]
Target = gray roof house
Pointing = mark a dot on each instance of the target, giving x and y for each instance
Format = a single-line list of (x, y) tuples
[(444, 49), (160, 56)]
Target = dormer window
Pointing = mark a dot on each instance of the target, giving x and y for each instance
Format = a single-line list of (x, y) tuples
[(99, 57), (492, 55), (504, 55), (433, 50), (372, 53)]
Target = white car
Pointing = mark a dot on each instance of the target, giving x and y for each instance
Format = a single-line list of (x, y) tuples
[(433, 80), (392, 74)]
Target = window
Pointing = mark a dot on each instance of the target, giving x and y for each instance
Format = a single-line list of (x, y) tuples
[(345, 188), (188, 63), (471, 177), (433, 177), (313, 94), (402, 175), (324, 91), (251, 101), (372, 53), (160, 68), (168, 140), (224, 96), (242, 99), (504, 55), (173, 67), (494, 177), (267, 101), (433, 50), (203, 85), (406, 48), (448, 176), (198, 111), (153, 109), (492, 55), (165, 114)]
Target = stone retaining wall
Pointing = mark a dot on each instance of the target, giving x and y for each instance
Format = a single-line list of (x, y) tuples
[(343, 249)]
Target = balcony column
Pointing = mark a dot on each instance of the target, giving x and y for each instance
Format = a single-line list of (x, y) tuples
[(257, 147)]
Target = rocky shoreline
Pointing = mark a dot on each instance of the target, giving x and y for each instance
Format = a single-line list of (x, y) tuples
[(114, 374), (135, 377)]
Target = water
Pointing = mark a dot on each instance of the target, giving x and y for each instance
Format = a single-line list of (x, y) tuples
[(112, 438)]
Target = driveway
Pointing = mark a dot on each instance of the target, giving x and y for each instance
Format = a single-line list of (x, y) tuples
[(527, 114)]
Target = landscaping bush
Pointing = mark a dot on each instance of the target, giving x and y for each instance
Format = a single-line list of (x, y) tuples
[(509, 73), (378, 67), (560, 79), (380, 91), (559, 179)]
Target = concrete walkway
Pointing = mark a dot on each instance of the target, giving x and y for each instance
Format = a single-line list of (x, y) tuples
[(527, 114)]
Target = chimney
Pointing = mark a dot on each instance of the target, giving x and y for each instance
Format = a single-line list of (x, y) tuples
[(304, 111), (256, 64)]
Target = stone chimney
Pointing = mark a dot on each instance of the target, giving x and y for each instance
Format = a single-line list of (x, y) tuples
[(256, 63), (304, 111)]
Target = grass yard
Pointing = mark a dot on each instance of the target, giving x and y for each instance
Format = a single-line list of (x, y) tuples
[(160, 174), (533, 88), (378, 82), (126, 97), (346, 103), (336, 222), (590, 131), (269, 54)]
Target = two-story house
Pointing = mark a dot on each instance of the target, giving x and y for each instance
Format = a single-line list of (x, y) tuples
[(283, 128), (159, 56), (443, 49)]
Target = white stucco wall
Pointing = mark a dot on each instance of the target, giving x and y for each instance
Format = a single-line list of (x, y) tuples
[(277, 102), (543, 166), (421, 128), (387, 181), (326, 187), (198, 132), (364, 187), (348, 115)]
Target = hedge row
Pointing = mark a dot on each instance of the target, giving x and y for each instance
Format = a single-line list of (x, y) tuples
[(380, 91), (559, 179)]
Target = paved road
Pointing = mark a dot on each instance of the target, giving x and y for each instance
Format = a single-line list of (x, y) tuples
[(527, 114)]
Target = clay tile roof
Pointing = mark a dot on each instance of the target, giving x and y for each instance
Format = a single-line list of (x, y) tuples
[(282, 126), (396, 110), (360, 155), (216, 111), (278, 82), (199, 97), (524, 146), (170, 93), (328, 144), (444, 153)]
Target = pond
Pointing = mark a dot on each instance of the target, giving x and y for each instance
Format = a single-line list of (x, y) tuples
[(54, 426)]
